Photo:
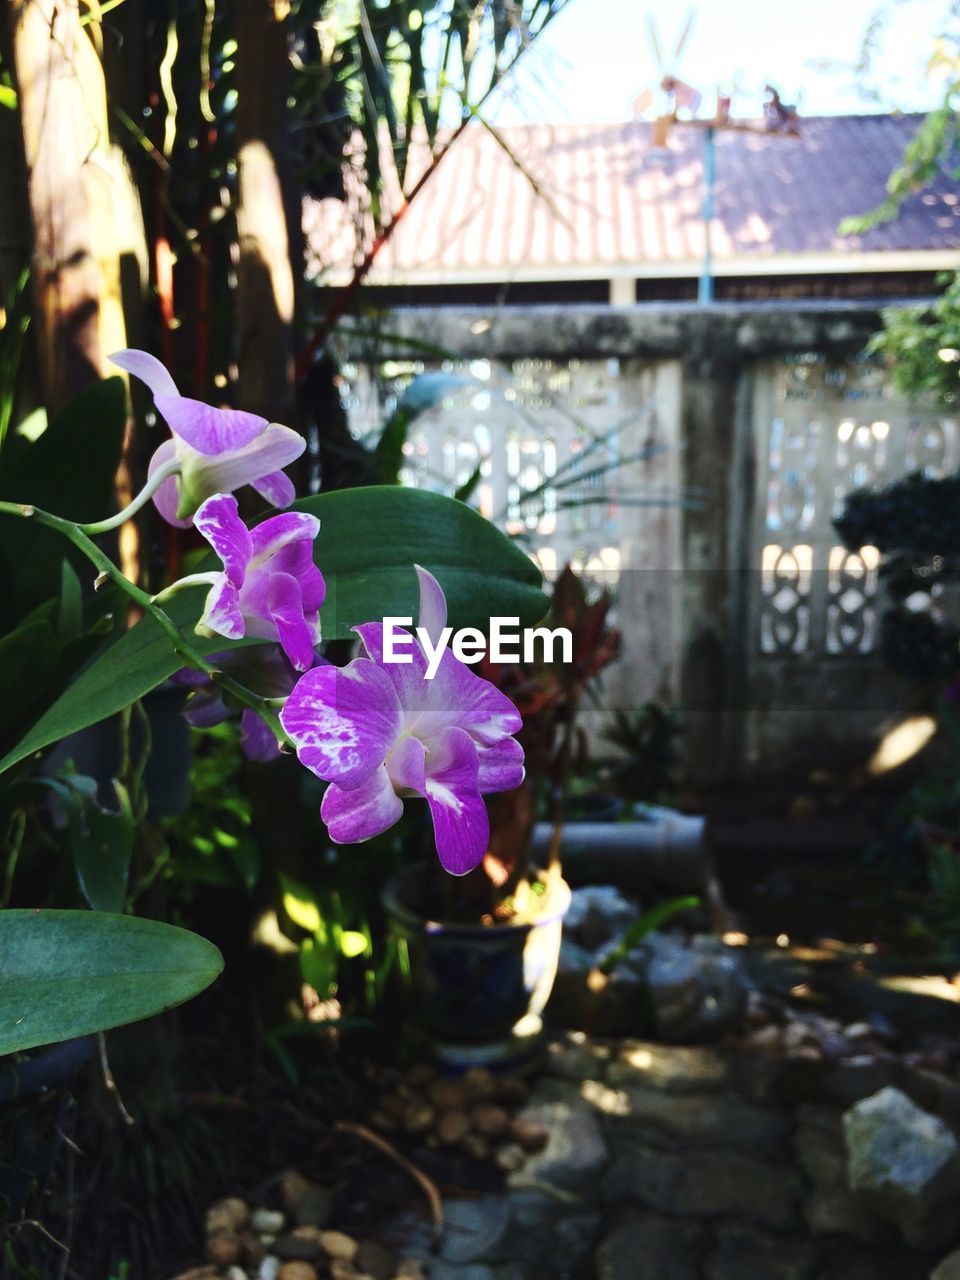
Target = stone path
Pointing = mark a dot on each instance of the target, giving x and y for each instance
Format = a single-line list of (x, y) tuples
[(674, 1163)]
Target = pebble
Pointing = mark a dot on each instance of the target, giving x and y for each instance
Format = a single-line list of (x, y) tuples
[(199, 1273), (768, 1038), (490, 1120), (410, 1269), (374, 1260), (302, 1244), (229, 1214), (513, 1091), (223, 1248), (267, 1221), (475, 1146), (479, 1082), (297, 1271), (236, 1273), (452, 1127), (448, 1095), (269, 1268), (419, 1118), (293, 1187), (528, 1135), (510, 1158), (337, 1244)]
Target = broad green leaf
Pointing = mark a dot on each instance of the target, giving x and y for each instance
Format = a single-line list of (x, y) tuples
[(371, 538), (70, 973), (102, 842), (369, 541)]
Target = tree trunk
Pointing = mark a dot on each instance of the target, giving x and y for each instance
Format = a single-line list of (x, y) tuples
[(72, 194), (268, 214)]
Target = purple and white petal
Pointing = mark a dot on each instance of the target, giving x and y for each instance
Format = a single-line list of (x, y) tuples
[(219, 522), (433, 604), (147, 368), (501, 765), (406, 765), (257, 740), (478, 706), (205, 475), (343, 720), (221, 612), (460, 822), (277, 488), (272, 535), (207, 429), (167, 497), (362, 812), (285, 603)]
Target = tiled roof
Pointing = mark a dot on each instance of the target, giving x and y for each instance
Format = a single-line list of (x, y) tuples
[(606, 203)]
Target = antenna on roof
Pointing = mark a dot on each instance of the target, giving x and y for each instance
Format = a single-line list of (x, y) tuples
[(778, 118)]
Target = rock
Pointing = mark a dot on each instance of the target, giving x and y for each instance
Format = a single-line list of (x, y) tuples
[(375, 1260), (510, 1158), (513, 1091), (528, 1134), (253, 1249), (860, 1076), (489, 1120), (831, 1208), (452, 1126), (410, 1269), (448, 1095), (306, 1203), (597, 914), (948, 1268), (550, 1236), (701, 1184), (229, 1214), (223, 1248), (267, 1221), (199, 1273), (645, 1244), (575, 1150), (696, 994), (479, 1083), (302, 1244), (700, 1120), (235, 1273), (746, 1253), (904, 1162), (419, 1117), (475, 1147), (672, 1068), (768, 1039), (297, 1271), (269, 1268), (474, 1230), (337, 1244), (576, 1058)]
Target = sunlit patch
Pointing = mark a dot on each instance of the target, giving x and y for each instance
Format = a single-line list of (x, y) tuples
[(902, 743)]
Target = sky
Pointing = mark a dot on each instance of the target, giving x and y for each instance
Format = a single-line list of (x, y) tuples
[(595, 57)]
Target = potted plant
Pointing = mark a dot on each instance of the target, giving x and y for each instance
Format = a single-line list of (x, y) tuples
[(484, 948)]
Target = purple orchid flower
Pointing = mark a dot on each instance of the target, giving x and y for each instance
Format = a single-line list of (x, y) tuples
[(380, 731), (269, 588), (218, 450), (265, 672)]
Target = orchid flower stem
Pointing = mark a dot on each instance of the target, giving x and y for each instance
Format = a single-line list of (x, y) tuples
[(171, 468), (191, 580), (107, 570)]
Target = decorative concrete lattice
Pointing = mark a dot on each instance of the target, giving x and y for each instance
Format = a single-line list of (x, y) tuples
[(822, 430)]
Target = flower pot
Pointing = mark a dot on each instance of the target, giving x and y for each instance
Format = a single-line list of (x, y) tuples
[(479, 991)]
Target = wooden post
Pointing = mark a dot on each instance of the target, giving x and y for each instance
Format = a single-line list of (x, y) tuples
[(70, 177), (267, 214)]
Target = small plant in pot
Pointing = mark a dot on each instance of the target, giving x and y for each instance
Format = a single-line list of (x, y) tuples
[(484, 946)]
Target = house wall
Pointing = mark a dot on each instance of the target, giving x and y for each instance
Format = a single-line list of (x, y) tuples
[(690, 458)]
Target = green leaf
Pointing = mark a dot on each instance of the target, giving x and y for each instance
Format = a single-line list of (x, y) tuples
[(70, 973), (69, 471), (644, 925), (369, 541), (371, 538), (102, 842)]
